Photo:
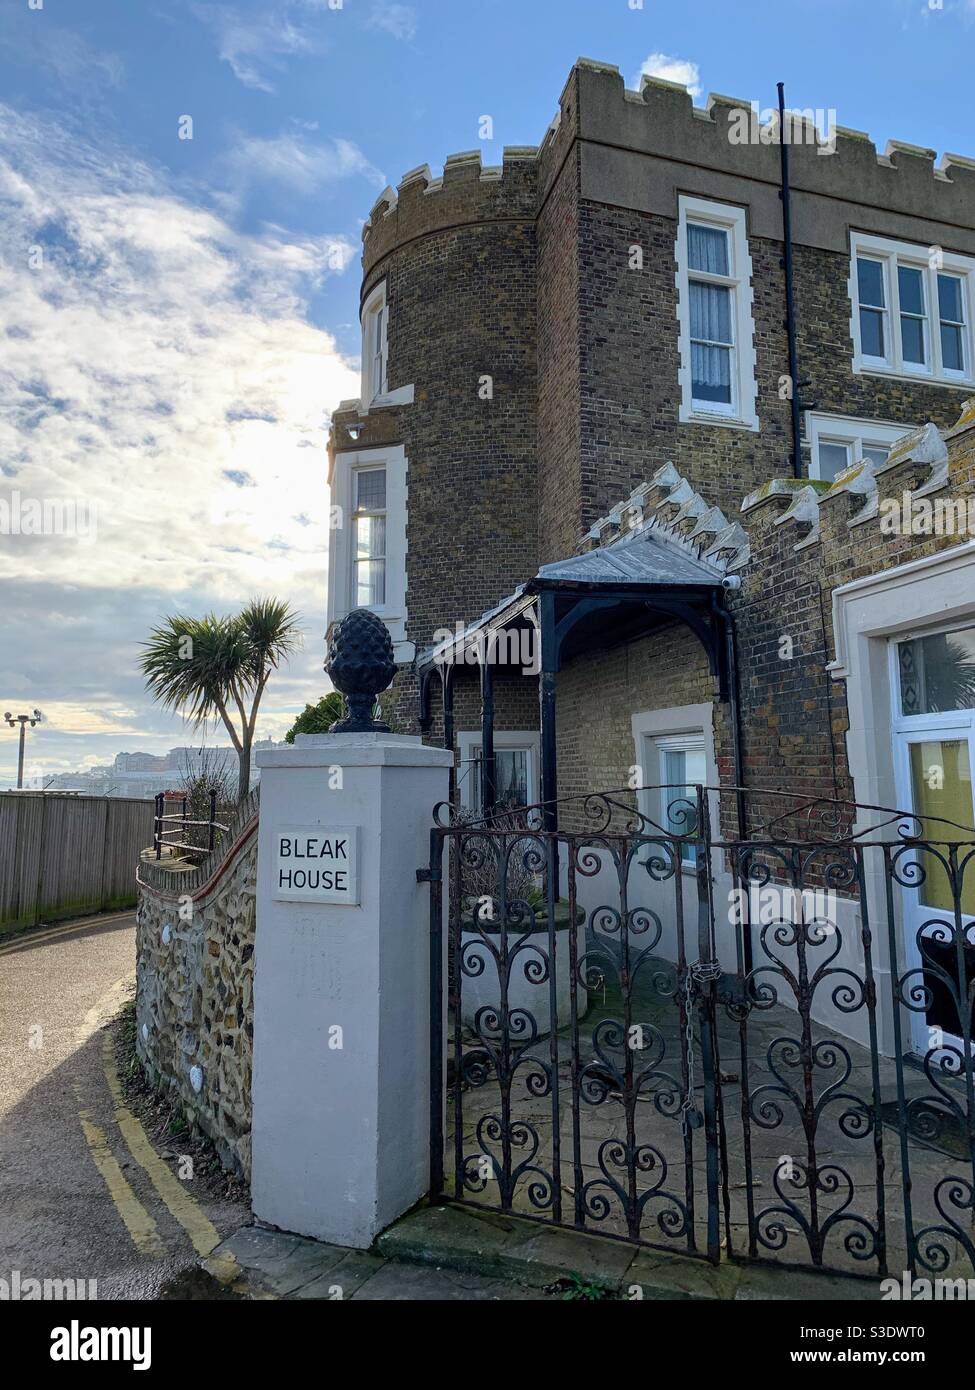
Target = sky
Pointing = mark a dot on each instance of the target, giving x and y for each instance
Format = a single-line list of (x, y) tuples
[(183, 185)]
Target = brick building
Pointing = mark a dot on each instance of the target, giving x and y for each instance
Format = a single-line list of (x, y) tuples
[(592, 342), (575, 451)]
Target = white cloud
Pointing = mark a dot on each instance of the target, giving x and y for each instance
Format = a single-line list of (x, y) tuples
[(398, 20), (153, 351), (680, 70), (299, 163), (257, 46)]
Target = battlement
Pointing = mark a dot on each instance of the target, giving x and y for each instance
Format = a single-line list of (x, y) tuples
[(727, 134), (467, 192), (660, 120)]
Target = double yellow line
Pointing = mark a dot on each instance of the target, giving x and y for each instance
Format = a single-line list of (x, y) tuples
[(37, 936), (140, 1225)]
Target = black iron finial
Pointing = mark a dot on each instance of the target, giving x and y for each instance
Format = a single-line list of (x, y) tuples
[(360, 664)]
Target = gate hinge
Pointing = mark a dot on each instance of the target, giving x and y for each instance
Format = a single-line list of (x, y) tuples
[(428, 875)]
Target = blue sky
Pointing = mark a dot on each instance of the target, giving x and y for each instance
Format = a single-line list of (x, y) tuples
[(172, 354)]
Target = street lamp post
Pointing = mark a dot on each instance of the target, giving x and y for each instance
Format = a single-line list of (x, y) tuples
[(23, 720)]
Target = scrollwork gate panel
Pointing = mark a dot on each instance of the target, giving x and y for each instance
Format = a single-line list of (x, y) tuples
[(678, 1039)]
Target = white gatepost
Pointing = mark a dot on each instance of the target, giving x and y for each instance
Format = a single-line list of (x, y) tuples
[(341, 1082)]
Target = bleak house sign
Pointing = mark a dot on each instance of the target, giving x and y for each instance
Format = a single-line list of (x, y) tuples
[(316, 864)]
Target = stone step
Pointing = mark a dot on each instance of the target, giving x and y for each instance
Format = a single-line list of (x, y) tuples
[(493, 1244)]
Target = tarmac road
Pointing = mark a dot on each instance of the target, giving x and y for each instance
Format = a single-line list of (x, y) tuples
[(83, 1194)]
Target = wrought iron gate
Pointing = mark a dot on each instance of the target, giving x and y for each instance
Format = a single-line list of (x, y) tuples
[(647, 1030)]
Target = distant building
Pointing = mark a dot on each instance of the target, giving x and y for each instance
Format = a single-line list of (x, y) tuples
[(146, 774)]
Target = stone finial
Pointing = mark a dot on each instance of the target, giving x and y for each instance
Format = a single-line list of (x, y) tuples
[(360, 664)]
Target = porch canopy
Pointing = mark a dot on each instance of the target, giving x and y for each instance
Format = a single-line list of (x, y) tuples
[(588, 602)]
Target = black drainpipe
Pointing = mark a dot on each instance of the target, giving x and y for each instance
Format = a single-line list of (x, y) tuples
[(790, 305)]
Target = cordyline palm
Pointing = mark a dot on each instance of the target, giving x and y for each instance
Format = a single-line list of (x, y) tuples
[(204, 667)]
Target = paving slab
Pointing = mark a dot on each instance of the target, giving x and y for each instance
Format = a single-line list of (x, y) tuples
[(542, 1257), (453, 1237), (398, 1281), (659, 1275), (449, 1252), (763, 1282), (345, 1280)]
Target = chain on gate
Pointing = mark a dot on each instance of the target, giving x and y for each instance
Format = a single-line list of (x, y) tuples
[(697, 973)]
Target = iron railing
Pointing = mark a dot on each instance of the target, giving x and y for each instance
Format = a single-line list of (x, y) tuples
[(758, 1045), (167, 827)]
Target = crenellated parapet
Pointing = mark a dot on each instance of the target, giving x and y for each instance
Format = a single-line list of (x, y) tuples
[(466, 194), (729, 136)]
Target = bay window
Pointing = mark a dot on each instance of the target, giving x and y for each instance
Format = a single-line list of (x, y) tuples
[(367, 540)]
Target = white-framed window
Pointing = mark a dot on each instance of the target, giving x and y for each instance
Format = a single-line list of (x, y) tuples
[(675, 748), (677, 763), (369, 549), (375, 344), (837, 441), (516, 758), (912, 310), (714, 311), (367, 539)]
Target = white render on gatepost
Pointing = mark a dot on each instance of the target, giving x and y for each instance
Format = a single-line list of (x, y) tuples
[(341, 1086)]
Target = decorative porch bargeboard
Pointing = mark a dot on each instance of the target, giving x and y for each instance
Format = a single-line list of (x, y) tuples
[(752, 1054)]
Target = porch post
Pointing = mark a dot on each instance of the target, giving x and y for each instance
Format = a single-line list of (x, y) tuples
[(546, 707), (447, 691), (447, 686), (487, 730)]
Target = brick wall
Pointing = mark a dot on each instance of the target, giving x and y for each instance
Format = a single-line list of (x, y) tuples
[(523, 274)]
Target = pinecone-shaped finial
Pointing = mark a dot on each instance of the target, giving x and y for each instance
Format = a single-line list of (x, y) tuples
[(360, 664)]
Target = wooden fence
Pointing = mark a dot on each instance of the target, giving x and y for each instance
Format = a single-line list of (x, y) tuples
[(62, 856)]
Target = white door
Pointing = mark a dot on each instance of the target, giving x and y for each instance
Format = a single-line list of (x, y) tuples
[(934, 723)]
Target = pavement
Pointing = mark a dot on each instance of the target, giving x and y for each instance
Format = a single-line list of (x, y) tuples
[(83, 1192), (450, 1252)]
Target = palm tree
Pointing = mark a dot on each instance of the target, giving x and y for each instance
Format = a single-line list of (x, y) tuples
[(209, 666)]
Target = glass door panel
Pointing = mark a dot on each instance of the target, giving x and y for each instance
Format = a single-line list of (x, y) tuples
[(941, 786), (940, 772)]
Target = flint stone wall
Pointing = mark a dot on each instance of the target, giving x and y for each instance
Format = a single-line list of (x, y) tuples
[(195, 993)]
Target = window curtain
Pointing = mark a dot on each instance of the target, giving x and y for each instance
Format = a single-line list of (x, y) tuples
[(711, 321), (707, 249)]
